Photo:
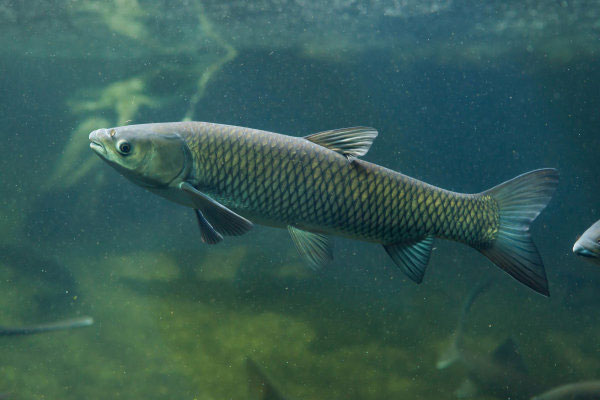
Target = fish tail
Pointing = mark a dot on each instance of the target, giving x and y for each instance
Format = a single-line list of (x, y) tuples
[(520, 200)]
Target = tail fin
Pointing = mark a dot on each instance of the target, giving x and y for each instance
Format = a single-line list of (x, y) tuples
[(520, 201)]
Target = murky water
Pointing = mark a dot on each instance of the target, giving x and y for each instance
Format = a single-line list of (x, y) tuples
[(464, 96)]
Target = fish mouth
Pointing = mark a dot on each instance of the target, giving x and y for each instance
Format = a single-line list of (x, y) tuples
[(98, 147), (582, 251), (586, 253)]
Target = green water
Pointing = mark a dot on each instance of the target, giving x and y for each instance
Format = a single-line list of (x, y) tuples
[(464, 96)]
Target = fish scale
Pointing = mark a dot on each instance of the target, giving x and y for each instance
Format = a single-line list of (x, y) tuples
[(296, 182)]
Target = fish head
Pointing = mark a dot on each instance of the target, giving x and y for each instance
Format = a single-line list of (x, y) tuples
[(588, 245), (143, 155)]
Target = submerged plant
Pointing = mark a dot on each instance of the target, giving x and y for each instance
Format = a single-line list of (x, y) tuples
[(120, 102), (63, 174), (123, 98)]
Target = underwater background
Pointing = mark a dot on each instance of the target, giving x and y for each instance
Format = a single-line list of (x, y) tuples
[(464, 94)]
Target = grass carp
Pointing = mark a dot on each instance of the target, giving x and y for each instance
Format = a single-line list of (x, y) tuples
[(316, 186)]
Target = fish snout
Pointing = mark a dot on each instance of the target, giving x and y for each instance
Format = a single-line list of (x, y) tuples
[(97, 138)]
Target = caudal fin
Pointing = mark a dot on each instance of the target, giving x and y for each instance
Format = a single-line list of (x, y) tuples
[(520, 201)]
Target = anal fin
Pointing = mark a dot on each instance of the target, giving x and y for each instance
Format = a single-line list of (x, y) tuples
[(316, 248), (412, 257)]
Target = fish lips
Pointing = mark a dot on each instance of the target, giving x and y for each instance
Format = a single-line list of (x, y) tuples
[(583, 252), (586, 253), (95, 144), (98, 148)]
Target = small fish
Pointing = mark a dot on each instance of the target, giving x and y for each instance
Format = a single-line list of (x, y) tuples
[(502, 374), (588, 245), (48, 327), (316, 187), (259, 385), (589, 390)]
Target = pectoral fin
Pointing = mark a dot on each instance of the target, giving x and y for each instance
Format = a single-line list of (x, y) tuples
[(207, 232), (412, 257), (216, 215), (314, 247)]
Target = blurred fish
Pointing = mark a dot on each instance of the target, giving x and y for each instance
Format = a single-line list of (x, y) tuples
[(588, 245), (47, 327), (452, 353), (589, 390), (260, 386), (502, 373), (41, 328), (316, 186)]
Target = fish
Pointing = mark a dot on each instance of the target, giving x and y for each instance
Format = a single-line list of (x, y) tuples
[(41, 328), (79, 322), (501, 374), (588, 390), (259, 385), (317, 187), (452, 353), (588, 245)]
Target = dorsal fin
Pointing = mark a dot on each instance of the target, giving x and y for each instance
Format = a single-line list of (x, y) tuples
[(508, 354), (350, 142)]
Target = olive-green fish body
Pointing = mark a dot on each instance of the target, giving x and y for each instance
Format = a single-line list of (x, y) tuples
[(283, 180), (316, 186)]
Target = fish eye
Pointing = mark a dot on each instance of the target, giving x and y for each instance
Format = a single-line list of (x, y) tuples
[(124, 147)]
